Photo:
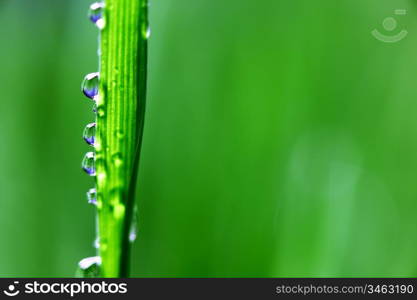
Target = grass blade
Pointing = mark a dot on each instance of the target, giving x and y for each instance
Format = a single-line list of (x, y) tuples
[(120, 119)]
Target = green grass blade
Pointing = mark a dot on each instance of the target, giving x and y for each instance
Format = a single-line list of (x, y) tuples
[(120, 117)]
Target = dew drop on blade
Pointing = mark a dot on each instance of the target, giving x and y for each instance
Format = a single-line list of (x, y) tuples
[(146, 31), (88, 164), (117, 159), (90, 85), (92, 196), (89, 261), (89, 133), (89, 267), (96, 243), (119, 134), (133, 231), (101, 112), (96, 14), (132, 234)]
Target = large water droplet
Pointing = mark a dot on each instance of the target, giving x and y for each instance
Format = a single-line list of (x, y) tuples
[(92, 196), (89, 267), (90, 85), (89, 133), (88, 164), (96, 14)]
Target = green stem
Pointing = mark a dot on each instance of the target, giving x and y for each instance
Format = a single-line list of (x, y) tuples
[(120, 116)]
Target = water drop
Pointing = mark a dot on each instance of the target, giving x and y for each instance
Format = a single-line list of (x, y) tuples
[(100, 243), (89, 261), (92, 196), (119, 134), (117, 159), (100, 111), (90, 85), (96, 14), (89, 133), (88, 164), (95, 108), (146, 31), (133, 231), (89, 267), (133, 234)]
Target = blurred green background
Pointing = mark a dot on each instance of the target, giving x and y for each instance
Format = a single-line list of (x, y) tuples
[(280, 139)]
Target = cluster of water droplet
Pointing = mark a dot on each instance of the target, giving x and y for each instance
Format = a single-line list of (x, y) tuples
[(90, 88)]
